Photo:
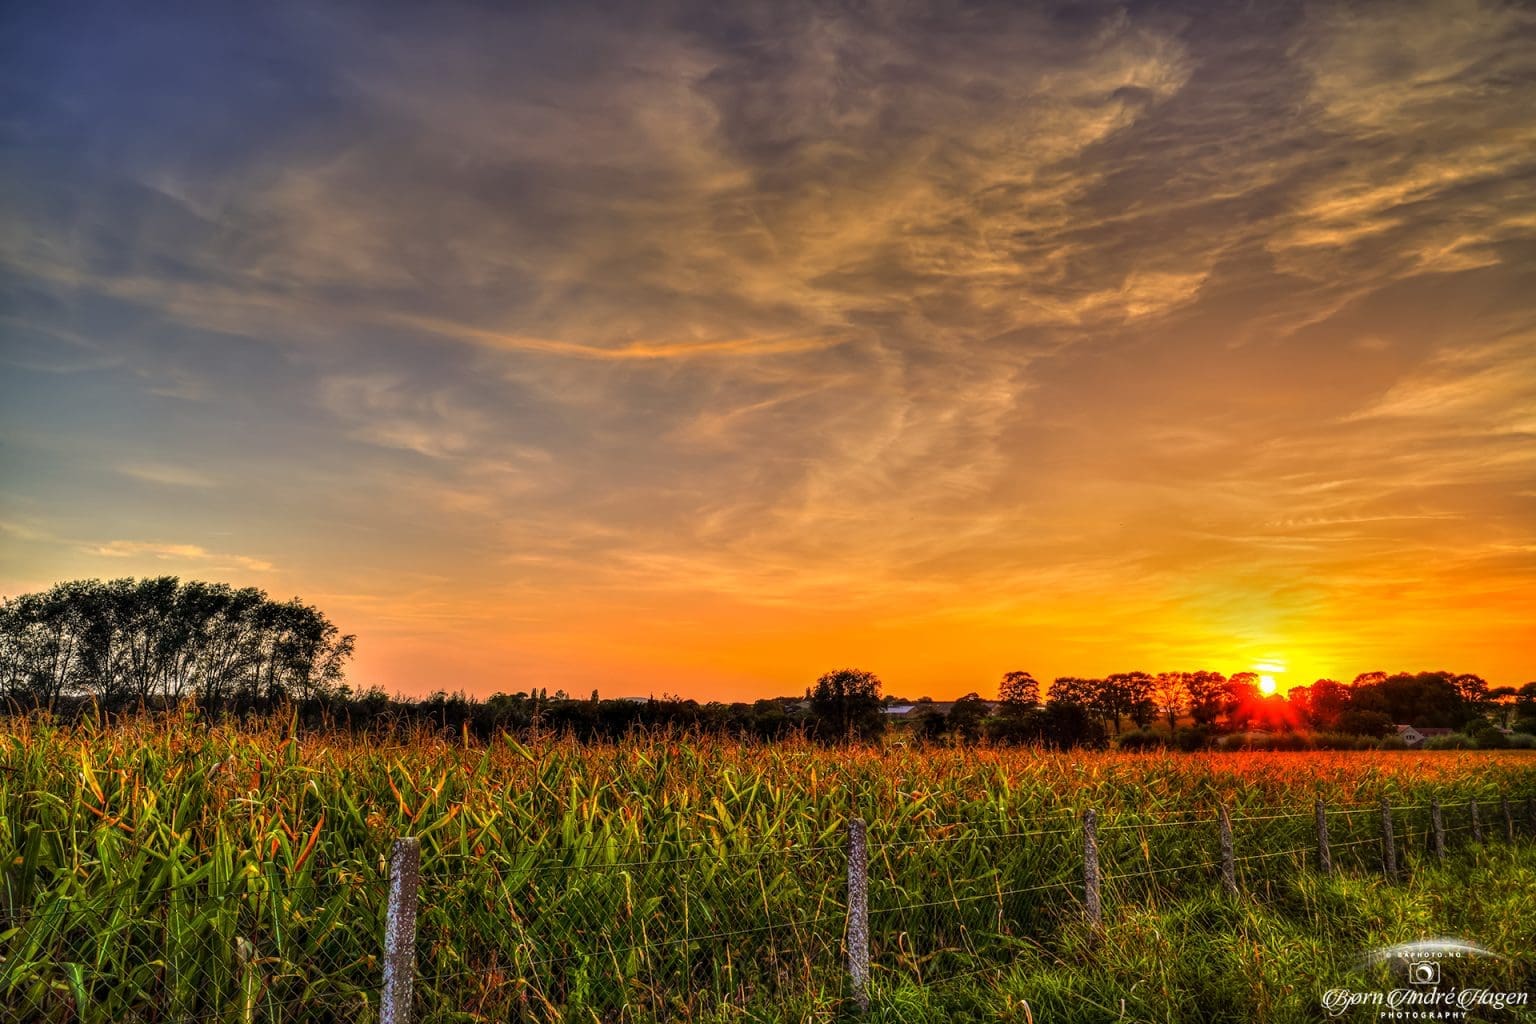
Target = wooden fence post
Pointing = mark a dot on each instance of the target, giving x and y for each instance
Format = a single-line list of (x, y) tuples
[(1509, 819), (1388, 847), (400, 932), (1477, 824), (1530, 813), (858, 912), (1324, 861), (1092, 904), (1437, 829), (1228, 863)]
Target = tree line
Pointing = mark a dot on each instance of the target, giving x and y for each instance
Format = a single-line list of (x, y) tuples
[(1189, 710), (1192, 708), (158, 641)]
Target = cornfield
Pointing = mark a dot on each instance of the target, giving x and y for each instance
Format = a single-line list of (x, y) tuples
[(165, 870)]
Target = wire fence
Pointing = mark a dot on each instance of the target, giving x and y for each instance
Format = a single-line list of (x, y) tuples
[(618, 935)]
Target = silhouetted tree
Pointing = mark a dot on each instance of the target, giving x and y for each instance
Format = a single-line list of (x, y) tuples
[(1018, 691), (1064, 725), (1137, 690), (1207, 691), (1170, 695), (1472, 689), (40, 644), (1502, 700), (1125, 695), (1069, 690), (1326, 701), (1435, 699), (967, 718), (930, 724), (1076, 692), (1018, 709), (846, 705), (1525, 700), (1240, 699), (160, 641)]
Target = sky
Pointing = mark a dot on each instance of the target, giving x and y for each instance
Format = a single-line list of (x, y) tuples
[(699, 348)]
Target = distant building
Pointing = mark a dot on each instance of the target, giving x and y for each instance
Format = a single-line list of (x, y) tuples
[(942, 707), (1415, 737)]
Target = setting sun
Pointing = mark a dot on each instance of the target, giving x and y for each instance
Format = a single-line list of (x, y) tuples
[(1267, 685)]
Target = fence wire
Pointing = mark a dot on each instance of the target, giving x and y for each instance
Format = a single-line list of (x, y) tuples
[(269, 955), (614, 934)]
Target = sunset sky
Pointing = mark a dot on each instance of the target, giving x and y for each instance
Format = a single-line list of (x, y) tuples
[(702, 348)]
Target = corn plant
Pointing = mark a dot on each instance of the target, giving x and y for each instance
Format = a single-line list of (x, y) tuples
[(163, 869)]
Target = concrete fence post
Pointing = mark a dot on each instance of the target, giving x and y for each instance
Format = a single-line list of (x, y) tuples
[(1093, 905), (250, 982), (400, 932), (858, 912), (1324, 859), (1388, 847), (1228, 862), (1437, 830)]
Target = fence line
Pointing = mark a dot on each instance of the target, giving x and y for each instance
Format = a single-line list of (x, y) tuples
[(953, 900), (1425, 842), (178, 895), (190, 891), (654, 944), (969, 833)]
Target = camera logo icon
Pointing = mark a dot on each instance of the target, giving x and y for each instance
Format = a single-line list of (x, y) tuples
[(1424, 972)]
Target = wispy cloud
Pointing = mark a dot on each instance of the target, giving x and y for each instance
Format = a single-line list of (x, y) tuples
[(131, 548), (165, 473), (1085, 326), (121, 549)]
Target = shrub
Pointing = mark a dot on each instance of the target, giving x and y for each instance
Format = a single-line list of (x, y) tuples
[(1190, 738), (1392, 743), (1142, 739), (1490, 739)]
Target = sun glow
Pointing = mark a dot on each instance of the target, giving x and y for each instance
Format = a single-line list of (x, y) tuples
[(1267, 685)]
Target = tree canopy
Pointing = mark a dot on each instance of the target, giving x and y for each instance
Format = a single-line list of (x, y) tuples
[(846, 705), (137, 641)]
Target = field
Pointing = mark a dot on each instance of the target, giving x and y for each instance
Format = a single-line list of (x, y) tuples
[(168, 871)]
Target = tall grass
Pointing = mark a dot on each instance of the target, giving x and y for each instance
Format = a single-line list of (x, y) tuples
[(164, 869)]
